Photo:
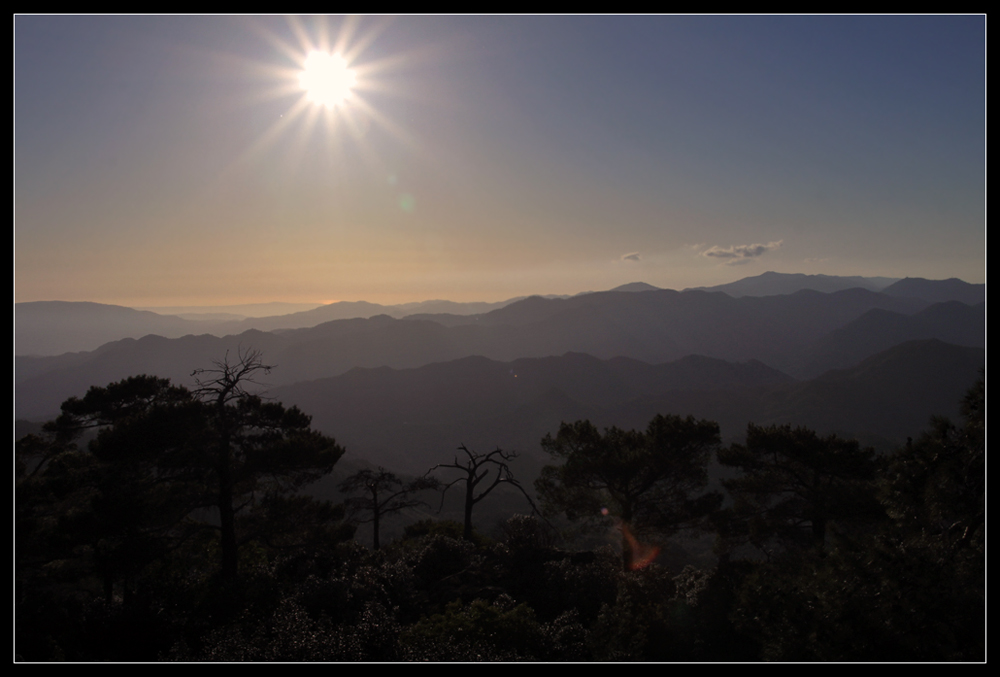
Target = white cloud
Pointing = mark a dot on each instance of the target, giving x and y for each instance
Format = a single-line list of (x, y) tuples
[(740, 253)]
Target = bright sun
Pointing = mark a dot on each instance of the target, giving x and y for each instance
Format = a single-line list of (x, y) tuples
[(327, 79)]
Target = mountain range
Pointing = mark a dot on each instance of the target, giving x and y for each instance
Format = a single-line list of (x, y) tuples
[(56, 327), (873, 364)]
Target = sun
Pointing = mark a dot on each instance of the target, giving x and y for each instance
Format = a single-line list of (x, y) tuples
[(328, 82), (326, 79)]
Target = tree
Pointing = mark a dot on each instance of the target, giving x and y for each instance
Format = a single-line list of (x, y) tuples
[(908, 586), (794, 483), (386, 494), (163, 452), (935, 487), (124, 501), (473, 471), (645, 479), (257, 449)]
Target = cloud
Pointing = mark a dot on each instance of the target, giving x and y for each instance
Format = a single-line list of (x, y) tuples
[(634, 256), (740, 253)]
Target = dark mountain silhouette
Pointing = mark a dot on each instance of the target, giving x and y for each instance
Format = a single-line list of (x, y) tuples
[(635, 286), (892, 393), (409, 418), (56, 327), (658, 326), (487, 403), (877, 330), (771, 284), (938, 291), (653, 326), (881, 401)]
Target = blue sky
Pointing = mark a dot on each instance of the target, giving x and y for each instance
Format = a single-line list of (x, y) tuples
[(170, 160)]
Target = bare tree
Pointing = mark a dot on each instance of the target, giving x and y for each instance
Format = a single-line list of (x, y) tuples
[(228, 381), (386, 494), (473, 472), (259, 449)]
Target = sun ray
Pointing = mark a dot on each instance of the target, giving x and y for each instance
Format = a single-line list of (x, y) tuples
[(306, 44), (270, 137), (345, 37), (352, 51), (341, 124), (397, 131)]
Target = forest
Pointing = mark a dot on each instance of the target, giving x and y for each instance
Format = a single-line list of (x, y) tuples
[(156, 522)]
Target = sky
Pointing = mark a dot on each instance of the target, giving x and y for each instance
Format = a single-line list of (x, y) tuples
[(178, 161)]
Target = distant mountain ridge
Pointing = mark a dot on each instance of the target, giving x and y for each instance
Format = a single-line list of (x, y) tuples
[(772, 284), (878, 330), (408, 418), (56, 327), (402, 391), (938, 291), (635, 286), (783, 332)]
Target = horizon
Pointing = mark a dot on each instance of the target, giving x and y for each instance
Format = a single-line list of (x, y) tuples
[(302, 306), (480, 159)]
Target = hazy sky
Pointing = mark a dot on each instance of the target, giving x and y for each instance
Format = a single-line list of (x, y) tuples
[(173, 160)]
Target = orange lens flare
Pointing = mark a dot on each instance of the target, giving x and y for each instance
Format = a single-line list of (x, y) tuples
[(642, 554)]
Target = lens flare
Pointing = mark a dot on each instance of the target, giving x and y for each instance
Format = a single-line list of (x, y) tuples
[(642, 554)]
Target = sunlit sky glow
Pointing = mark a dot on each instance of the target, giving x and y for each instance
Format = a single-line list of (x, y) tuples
[(181, 161)]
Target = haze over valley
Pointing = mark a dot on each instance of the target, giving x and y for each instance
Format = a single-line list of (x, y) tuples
[(875, 364)]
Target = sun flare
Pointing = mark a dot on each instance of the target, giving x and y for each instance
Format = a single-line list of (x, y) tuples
[(327, 82), (326, 79)]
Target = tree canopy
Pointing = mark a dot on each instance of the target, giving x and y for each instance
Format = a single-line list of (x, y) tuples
[(258, 449), (163, 455), (794, 483), (649, 480)]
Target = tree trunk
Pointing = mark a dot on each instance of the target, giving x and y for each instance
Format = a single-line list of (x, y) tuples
[(227, 516), (375, 516), (469, 502), (627, 553)]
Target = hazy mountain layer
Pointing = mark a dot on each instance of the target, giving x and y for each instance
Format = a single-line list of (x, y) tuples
[(412, 419), (771, 284), (651, 326), (938, 291), (877, 330), (56, 327)]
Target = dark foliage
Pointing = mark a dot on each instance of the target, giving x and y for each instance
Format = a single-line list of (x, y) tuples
[(793, 485), (117, 559), (649, 480)]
